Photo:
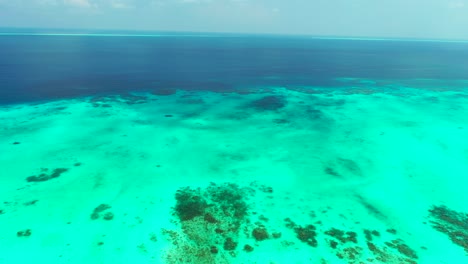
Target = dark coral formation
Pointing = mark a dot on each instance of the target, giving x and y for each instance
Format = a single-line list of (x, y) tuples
[(305, 234), (108, 216), (369, 234), (100, 209), (229, 244), (215, 221), (342, 236), (24, 233), (190, 203), (452, 223), (402, 248), (45, 177), (211, 221), (248, 248), (386, 254), (260, 233), (269, 103)]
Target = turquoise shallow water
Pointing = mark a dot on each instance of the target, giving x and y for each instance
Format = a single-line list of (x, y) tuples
[(371, 173)]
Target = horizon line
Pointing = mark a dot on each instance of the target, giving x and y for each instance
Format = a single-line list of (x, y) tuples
[(214, 35)]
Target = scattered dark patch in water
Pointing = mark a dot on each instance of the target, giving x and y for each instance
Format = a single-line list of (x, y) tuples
[(260, 233), (45, 177), (100, 209), (215, 220), (248, 248), (350, 165), (192, 101), (314, 114), (369, 234), (16, 143), (33, 202), (107, 101), (269, 103), (208, 216), (229, 244), (108, 216), (281, 121), (132, 99), (452, 223), (371, 208), (190, 203), (164, 91), (24, 233), (402, 248), (332, 172), (342, 236), (305, 234)]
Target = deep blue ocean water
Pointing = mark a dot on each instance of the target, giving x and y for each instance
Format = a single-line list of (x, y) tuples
[(38, 67)]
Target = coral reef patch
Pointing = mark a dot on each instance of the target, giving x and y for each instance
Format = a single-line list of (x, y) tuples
[(452, 223), (44, 176)]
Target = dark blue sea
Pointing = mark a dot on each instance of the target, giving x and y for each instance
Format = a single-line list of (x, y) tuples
[(42, 67)]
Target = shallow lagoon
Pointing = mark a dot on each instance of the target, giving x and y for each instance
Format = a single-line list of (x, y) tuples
[(374, 172)]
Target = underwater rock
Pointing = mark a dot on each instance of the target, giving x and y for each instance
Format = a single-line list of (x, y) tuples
[(269, 103), (16, 143), (45, 177), (452, 223)]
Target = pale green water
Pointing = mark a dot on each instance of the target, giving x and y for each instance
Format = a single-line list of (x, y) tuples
[(369, 158)]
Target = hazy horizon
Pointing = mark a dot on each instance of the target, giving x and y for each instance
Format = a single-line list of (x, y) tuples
[(417, 19)]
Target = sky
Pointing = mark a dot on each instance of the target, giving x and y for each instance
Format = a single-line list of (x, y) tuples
[(426, 19)]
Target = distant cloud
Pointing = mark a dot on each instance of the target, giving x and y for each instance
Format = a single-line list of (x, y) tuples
[(456, 4), (120, 5), (80, 3)]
